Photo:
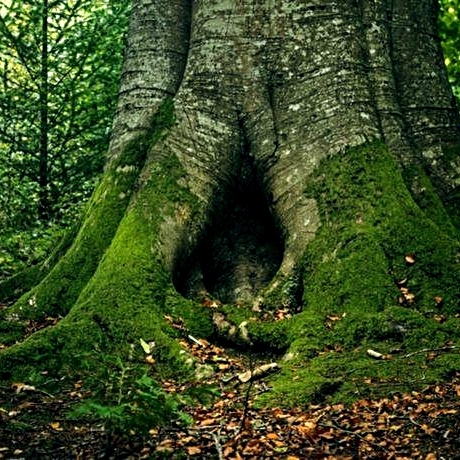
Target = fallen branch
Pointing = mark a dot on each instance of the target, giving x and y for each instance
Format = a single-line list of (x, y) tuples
[(258, 372)]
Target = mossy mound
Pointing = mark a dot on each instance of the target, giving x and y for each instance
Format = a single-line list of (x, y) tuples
[(380, 275)]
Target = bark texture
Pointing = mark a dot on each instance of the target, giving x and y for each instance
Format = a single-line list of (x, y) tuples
[(268, 155)]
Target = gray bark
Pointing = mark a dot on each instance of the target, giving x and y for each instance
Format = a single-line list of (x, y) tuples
[(272, 88)]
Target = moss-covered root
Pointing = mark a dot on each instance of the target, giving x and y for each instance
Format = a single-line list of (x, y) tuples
[(126, 297), (13, 287), (380, 274), (58, 291)]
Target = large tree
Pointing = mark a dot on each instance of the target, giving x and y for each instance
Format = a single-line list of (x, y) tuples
[(283, 176)]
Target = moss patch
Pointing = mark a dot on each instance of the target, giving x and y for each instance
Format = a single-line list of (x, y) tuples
[(126, 297), (374, 248), (361, 290)]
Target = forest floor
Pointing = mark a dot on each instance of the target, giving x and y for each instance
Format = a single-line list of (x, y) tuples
[(418, 425)]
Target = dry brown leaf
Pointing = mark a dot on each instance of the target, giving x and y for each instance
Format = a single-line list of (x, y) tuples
[(208, 421), (227, 452), (20, 387), (438, 300), (166, 445), (193, 450), (410, 258)]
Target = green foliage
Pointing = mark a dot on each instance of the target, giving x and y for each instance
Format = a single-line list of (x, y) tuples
[(449, 28), (57, 99), (133, 407)]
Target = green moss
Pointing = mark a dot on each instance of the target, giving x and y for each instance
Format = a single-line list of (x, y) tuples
[(128, 294), (353, 272), (352, 278), (284, 291), (193, 315), (426, 198), (452, 199), (59, 290), (13, 287)]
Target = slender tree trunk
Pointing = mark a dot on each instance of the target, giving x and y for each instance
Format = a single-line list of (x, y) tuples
[(43, 173), (282, 158)]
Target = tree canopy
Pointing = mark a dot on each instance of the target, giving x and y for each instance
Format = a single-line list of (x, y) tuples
[(449, 28)]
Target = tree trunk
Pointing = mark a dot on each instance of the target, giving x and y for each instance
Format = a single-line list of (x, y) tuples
[(43, 180), (271, 159)]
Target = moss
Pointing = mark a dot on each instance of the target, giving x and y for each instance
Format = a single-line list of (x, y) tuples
[(272, 336), (352, 277), (448, 163), (13, 287), (197, 320), (129, 292), (285, 290), (353, 272), (58, 292)]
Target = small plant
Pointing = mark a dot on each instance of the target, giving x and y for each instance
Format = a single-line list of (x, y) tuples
[(139, 406)]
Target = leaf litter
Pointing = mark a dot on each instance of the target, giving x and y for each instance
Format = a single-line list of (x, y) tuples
[(417, 425)]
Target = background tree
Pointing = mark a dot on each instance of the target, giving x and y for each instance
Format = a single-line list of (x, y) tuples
[(59, 73), (449, 29), (299, 159)]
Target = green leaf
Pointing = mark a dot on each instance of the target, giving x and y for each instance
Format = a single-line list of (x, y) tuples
[(145, 346)]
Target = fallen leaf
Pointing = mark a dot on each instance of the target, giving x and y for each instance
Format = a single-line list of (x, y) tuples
[(20, 387), (307, 428), (438, 300), (145, 346), (208, 421), (193, 450), (410, 258)]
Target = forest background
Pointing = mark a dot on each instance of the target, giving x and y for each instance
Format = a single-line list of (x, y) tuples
[(60, 65)]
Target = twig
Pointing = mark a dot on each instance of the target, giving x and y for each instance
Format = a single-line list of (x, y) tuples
[(427, 350), (335, 425), (248, 391), (190, 336), (218, 446), (197, 428)]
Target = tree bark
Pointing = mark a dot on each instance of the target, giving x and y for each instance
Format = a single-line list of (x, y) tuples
[(269, 156)]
